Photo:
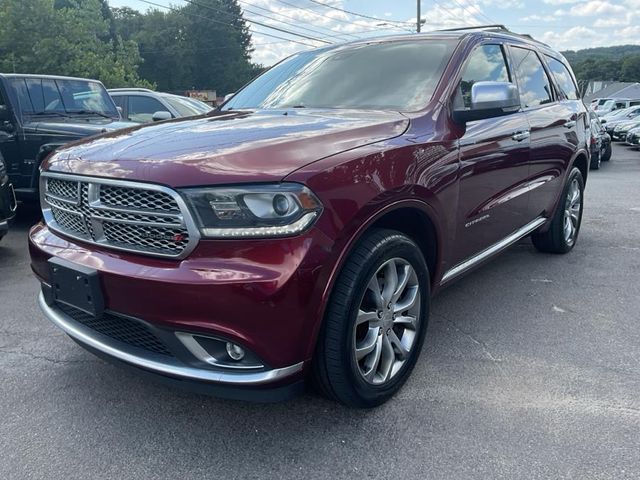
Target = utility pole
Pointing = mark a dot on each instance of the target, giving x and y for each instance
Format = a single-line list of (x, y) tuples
[(418, 23)]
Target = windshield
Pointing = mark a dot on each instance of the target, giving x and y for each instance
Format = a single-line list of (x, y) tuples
[(400, 76), (186, 107), (61, 96)]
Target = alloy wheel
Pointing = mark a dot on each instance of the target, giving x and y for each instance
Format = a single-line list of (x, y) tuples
[(387, 323), (572, 208)]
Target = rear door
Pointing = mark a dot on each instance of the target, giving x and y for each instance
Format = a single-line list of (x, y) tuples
[(554, 116), (494, 163)]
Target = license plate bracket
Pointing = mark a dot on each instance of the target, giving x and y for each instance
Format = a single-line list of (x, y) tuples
[(76, 286)]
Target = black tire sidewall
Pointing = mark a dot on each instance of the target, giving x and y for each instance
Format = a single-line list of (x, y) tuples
[(391, 245), (575, 173)]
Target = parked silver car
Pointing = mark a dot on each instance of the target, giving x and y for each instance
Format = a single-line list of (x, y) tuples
[(142, 105)]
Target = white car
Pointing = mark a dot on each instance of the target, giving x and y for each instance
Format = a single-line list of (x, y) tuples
[(615, 104), (142, 105)]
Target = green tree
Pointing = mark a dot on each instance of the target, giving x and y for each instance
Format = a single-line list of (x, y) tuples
[(630, 69), (65, 37)]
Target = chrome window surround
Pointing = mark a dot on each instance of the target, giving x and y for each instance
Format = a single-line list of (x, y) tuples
[(183, 219)]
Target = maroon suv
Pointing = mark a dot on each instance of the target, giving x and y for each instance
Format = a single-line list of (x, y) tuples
[(300, 231)]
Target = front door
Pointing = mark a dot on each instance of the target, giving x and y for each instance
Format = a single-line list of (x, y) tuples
[(494, 164)]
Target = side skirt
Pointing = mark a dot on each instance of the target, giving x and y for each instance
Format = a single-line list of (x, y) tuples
[(494, 249)]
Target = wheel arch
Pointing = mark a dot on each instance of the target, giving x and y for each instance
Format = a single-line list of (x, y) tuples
[(582, 163), (395, 216)]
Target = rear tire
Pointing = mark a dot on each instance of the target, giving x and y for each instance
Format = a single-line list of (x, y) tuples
[(562, 235), (375, 322)]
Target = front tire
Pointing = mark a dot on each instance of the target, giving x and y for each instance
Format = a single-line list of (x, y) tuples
[(596, 160), (375, 323), (563, 233)]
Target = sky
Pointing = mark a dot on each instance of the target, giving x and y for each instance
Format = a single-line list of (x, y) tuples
[(563, 24)]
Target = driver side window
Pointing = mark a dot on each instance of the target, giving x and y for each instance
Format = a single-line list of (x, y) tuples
[(486, 64)]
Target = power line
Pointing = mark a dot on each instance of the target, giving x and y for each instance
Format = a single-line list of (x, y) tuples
[(473, 14), (192, 2), (333, 32), (448, 11), (340, 20), (148, 2), (355, 13), (222, 47)]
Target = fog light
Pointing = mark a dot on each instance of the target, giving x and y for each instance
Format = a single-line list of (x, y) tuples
[(236, 352)]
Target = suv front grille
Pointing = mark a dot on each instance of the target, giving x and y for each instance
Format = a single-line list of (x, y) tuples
[(144, 218), (118, 328)]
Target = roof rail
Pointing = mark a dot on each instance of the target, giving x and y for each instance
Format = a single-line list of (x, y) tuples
[(494, 28), (130, 89)]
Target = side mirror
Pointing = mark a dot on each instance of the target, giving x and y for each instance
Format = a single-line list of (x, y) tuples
[(228, 96), (161, 115), (119, 109), (489, 100)]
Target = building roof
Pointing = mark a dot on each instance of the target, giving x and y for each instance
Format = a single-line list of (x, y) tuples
[(595, 90)]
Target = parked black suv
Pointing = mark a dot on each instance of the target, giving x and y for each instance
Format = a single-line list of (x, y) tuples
[(39, 113), (7, 200)]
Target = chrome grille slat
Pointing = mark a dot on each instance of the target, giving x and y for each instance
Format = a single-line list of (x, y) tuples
[(143, 218)]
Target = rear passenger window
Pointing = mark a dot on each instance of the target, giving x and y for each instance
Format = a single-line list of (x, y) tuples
[(563, 78), (486, 63), (533, 82)]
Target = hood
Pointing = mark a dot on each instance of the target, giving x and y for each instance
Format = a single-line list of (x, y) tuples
[(227, 147), (78, 127)]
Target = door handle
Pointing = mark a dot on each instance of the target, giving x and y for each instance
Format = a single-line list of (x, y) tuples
[(520, 136), (570, 124)]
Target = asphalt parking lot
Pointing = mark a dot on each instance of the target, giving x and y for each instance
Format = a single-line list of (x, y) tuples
[(531, 369)]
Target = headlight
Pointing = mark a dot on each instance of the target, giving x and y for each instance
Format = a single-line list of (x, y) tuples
[(276, 210)]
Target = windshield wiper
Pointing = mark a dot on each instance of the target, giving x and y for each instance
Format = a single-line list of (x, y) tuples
[(90, 112), (57, 114)]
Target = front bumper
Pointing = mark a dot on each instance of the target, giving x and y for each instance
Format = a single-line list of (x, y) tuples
[(260, 295), (165, 367)]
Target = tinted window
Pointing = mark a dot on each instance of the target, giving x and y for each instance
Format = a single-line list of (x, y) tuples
[(51, 96), (35, 95), (119, 100), (34, 90), (486, 63), (533, 82), (388, 76), (141, 109), (563, 78), (183, 106)]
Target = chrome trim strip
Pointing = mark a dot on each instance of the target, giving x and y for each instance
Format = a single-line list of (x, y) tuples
[(13, 207), (185, 213), (492, 250), (86, 336)]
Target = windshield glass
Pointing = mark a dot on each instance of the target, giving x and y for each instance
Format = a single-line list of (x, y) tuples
[(400, 76), (61, 96), (187, 107)]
